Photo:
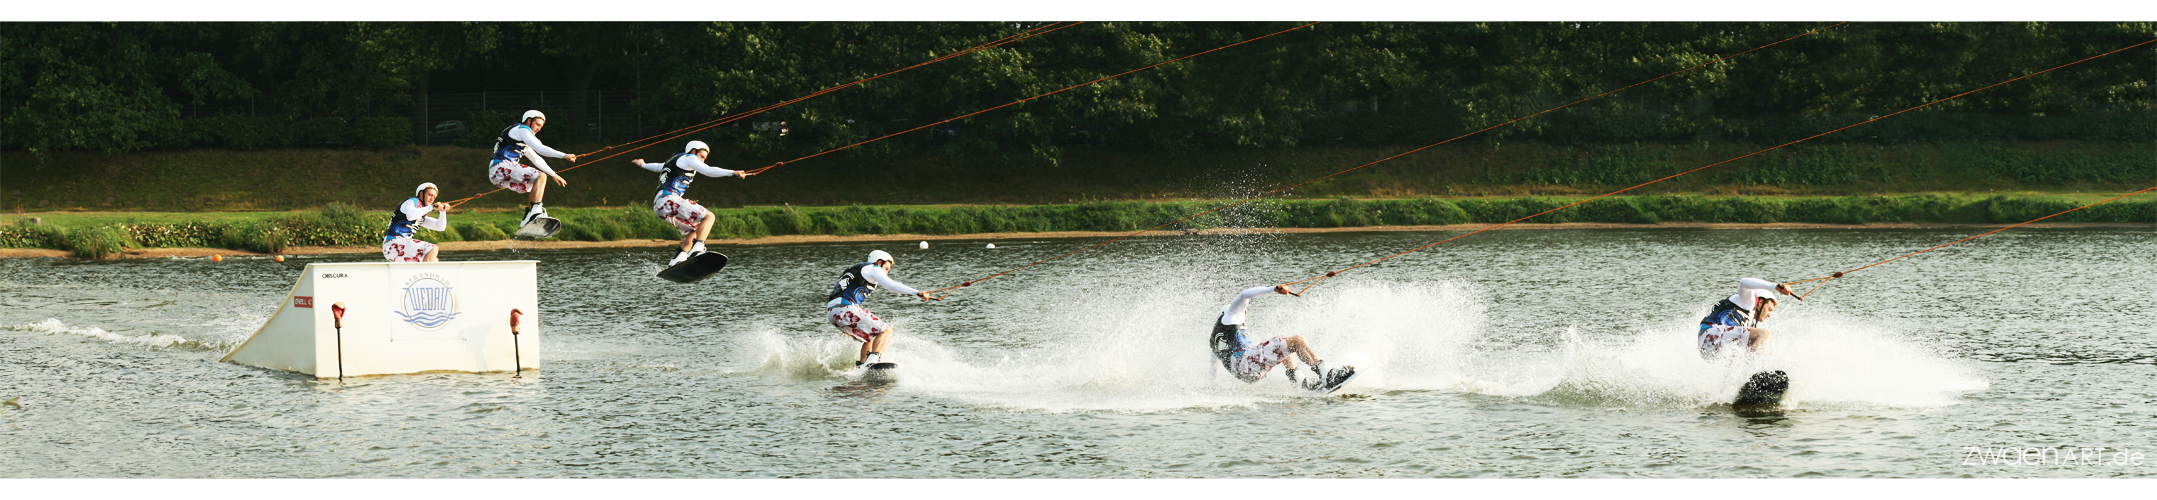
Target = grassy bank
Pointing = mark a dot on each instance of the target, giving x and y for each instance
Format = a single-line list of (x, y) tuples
[(298, 179), (96, 235)]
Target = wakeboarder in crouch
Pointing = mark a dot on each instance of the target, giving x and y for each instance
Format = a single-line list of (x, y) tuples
[(843, 305), (1735, 321), (1251, 361), (397, 242)]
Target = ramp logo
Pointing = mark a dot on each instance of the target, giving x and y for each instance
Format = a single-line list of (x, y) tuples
[(429, 302)]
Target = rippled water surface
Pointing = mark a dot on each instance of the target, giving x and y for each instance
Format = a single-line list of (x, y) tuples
[(1507, 354)]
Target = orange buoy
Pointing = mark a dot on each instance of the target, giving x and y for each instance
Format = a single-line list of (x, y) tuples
[(280, 258), (217, 258)]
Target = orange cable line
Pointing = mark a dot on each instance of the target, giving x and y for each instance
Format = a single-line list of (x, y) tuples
[(1838, 274), (1021, 101), (721, 121), (1462, 136), (1330, 274), (738, 116)]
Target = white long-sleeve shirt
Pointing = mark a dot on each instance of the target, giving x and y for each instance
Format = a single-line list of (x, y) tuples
[(694, 163), (400, 226), (1234, 313), (876, 274), (1750, 290), (677, 184), (532, 146), (412, 210)]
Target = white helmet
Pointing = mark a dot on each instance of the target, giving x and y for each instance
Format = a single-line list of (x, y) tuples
[(880, 255), (694, 146), (1747, 299), (529, 115), (423, 187)]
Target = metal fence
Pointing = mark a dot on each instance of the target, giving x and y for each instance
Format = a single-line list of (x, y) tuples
[(594, 116)]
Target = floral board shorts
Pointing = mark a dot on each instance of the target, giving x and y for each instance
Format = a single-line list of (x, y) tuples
[(856, 322), (405, 249), (1256, 360), (513, 176), (683, 214)]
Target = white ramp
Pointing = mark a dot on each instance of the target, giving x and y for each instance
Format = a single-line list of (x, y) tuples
[(402, 318)]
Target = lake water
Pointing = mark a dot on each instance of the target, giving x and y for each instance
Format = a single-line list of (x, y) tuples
[(1548, 353)]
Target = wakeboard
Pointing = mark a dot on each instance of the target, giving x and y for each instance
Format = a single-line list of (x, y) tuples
[(695, 269), (540, 227), (880, 373), (1338, 377), (1765, 388)]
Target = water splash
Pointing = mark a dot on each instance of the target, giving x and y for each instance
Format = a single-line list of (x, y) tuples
[(1838, 359), (1832, 360), (802, 358), (1147, 352), (154, 340)]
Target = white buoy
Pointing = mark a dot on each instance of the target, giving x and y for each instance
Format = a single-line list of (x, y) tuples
[(924, 245), (992, 245)]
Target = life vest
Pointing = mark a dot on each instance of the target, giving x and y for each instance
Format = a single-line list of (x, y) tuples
[(1727, 313), (399, 225), (1227, 345), (675, 178), (852, 285), (506, 148)]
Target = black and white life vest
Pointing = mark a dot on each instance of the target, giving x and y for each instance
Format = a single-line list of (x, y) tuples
[(1227, 343), (506, 148), (1727, 313), (398, 224), (675, 178), (852, 285)]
